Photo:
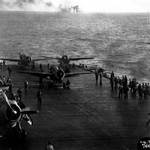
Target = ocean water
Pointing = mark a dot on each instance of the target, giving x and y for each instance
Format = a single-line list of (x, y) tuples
[(119, 42)]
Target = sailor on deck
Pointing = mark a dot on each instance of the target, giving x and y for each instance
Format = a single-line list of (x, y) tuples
[(96, 75), (49, 146)]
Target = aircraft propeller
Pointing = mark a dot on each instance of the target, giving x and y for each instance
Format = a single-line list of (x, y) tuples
[(14, 112)]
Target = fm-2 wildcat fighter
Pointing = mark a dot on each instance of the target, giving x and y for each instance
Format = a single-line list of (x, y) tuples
[(12, 113), (64, 61), (23, 60), (55, 76)]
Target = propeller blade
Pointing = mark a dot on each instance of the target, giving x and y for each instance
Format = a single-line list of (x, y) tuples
[(30, 122), (28, 119), (27, 110)]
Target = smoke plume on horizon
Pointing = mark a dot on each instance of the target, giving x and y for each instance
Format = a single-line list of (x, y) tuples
[(29, 5)]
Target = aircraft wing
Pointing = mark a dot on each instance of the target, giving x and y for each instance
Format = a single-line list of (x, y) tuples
[(38, 59), (37, 74), (10, 59), (76, 74), (47, 57), (106, 73), (81, 58)]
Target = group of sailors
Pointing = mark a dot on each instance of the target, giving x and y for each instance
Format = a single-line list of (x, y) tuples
[(122, 86), (99, 74)]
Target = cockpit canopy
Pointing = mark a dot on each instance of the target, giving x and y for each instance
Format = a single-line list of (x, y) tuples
[(24, 60), (57, 74), (65, 59)]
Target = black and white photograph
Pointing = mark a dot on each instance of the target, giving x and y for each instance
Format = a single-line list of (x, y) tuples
[(74, 74)]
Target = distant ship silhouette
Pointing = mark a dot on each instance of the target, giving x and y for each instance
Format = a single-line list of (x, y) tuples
[(70, 9)]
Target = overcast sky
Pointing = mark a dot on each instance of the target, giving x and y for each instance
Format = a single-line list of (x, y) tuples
[(85, 5)]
